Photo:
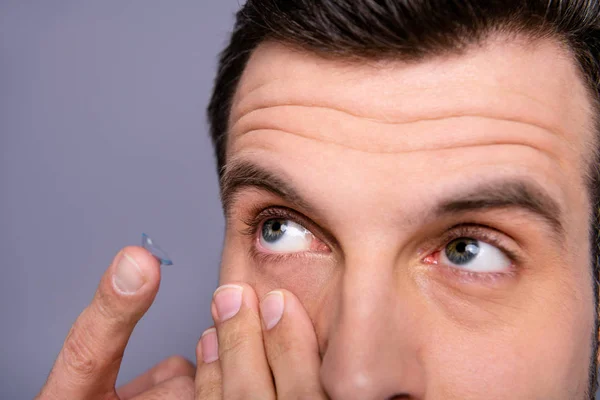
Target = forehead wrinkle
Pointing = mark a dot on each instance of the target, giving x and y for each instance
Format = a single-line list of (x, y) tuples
[(238, 141), (393, 121), (404, 151), (398, 107), (344, 127)]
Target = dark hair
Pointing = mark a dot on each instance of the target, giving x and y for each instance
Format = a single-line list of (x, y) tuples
[(411, 30)]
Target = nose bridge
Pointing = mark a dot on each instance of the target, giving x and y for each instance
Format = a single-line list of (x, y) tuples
[(366, 293), (373, 348)]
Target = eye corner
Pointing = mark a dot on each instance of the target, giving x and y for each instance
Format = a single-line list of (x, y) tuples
[(431, 259)]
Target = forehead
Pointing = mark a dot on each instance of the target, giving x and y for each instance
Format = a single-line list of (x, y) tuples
[(536, 83)]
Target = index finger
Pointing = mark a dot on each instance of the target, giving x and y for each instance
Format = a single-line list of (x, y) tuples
[(89, 361)]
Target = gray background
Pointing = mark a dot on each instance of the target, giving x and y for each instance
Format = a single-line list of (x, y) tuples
[(103, 137)]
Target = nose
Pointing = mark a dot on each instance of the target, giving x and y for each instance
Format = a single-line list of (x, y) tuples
[(374, 341)]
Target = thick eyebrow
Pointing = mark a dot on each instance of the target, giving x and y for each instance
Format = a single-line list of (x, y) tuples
[(238, 175), (508, 193), (496, 194)]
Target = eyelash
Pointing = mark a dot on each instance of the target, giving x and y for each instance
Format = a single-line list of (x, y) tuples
[(259, 215), (479, 232)]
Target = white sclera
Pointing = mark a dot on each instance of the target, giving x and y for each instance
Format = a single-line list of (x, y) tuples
[(156, 251)]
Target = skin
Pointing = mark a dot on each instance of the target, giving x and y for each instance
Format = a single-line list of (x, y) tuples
[(336, 133), (371, 311)]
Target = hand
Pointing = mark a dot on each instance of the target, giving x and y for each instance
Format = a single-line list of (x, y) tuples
[(244, 357), (88, 364)]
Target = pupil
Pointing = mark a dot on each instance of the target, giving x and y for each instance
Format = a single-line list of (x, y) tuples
[(276, 226), (462, 251), (461, 247)]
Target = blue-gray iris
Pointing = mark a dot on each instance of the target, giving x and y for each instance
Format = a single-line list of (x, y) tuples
[(462, 250)]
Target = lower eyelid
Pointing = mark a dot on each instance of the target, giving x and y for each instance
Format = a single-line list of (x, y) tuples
[(476, 278), (456, 272)]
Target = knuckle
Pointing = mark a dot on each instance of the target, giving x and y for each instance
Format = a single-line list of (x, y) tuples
[(182, 384), (177, 366), (181, 387), (107, 306), (77, 354), (235, 339)]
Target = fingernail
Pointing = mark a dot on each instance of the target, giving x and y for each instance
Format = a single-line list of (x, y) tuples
[(271, 309), (128, 276), (228, 300), (210, 345)]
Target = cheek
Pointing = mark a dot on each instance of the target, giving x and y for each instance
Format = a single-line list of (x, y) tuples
[(468, 366), (503, 368), (545, 353)]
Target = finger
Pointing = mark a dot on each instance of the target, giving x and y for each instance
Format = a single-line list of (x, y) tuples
[(208, 375), (291, 347), (88, 363), (167, 369), (178, 388), (241, 352)]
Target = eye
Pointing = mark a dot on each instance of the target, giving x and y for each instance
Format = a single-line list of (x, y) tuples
[(285, 236), (474, 256)]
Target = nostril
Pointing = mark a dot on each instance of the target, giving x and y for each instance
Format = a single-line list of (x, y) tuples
[(399, 397)]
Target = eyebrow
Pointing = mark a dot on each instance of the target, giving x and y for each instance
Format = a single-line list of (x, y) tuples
[(518, 193), (239, 175)]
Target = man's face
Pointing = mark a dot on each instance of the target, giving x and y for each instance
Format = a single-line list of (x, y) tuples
[(432, 217)]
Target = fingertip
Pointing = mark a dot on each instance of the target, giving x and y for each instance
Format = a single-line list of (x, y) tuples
[(207, 350), (249, 296), (271, 308), (230, 298), (142, 256), (134, 273), (290, 298), (290, 307), (148, 265)]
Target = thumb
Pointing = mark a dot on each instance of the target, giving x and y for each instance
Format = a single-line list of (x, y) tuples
[(88, 364)]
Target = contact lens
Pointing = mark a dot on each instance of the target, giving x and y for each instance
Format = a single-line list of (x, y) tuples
[(156, 251)]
